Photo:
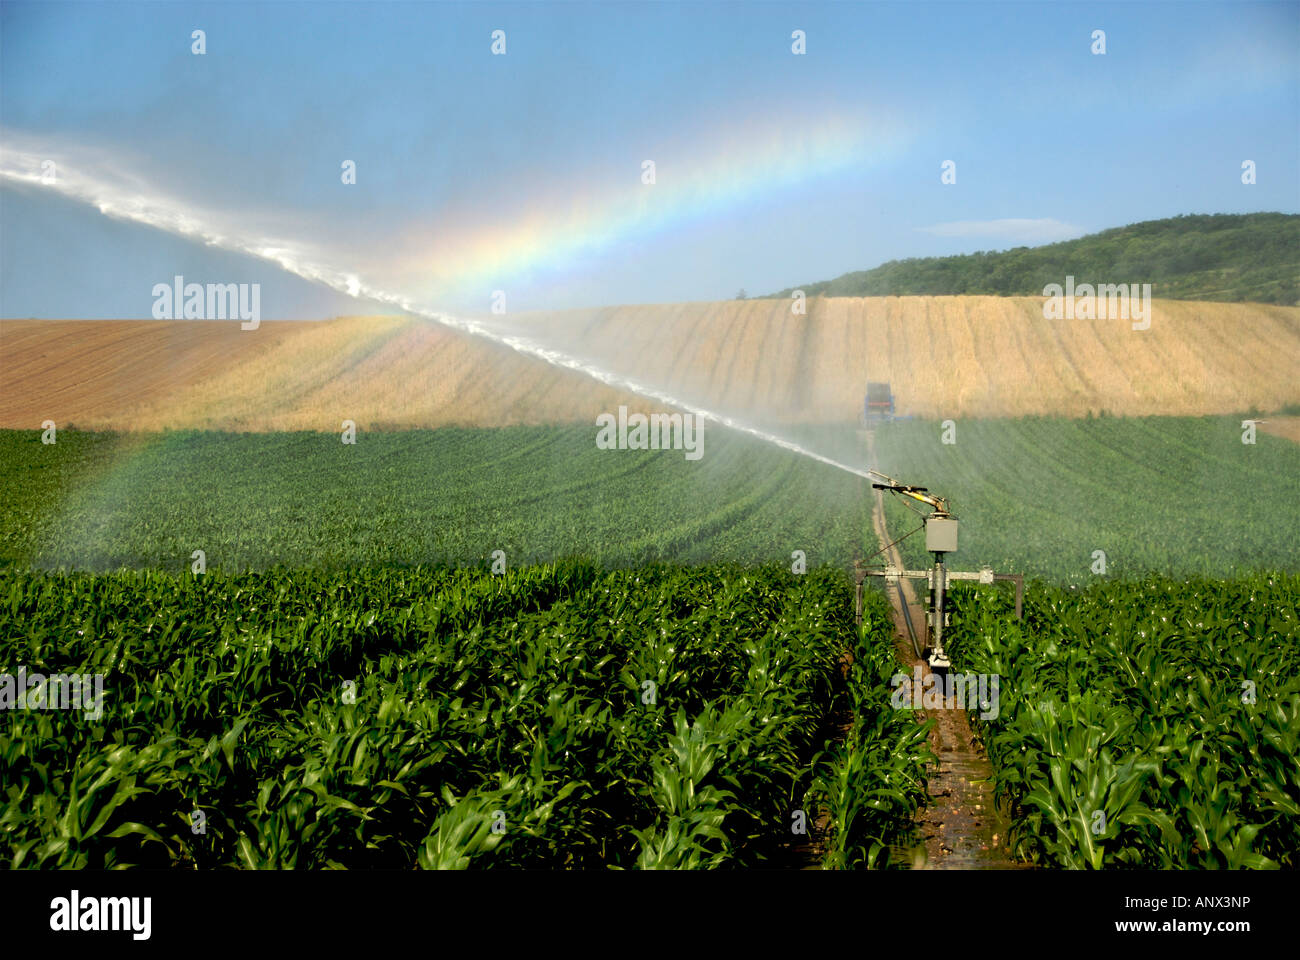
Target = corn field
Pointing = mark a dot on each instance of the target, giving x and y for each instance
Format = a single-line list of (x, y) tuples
[(555, 716), (1145, 724)]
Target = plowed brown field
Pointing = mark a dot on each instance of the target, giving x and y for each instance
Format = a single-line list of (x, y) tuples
[(945, 356)]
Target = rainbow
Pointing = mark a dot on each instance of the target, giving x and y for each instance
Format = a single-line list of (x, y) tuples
[(570, 220), (573, 222)]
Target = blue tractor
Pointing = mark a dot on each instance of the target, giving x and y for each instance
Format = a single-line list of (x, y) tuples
[(879, 404)]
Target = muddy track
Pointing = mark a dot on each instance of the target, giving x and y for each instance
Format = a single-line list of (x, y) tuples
[(961, 827)]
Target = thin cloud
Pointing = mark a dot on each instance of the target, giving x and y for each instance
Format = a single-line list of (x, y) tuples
[(1011, 230)]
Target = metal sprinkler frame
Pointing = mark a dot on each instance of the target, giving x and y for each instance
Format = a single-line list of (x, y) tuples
[(940, 539)]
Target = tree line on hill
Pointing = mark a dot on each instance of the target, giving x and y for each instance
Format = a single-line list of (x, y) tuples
[(1228, 257)]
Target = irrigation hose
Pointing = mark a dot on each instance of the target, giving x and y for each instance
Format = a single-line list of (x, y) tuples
[(907, 618)]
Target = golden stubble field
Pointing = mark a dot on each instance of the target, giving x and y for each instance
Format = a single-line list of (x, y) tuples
[(945, 356), (953, 356)]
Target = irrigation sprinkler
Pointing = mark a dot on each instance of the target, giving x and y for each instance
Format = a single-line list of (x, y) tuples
[(940, 540)]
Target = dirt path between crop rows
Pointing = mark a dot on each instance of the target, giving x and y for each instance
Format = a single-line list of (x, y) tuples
[(1287, 427), (960, 828)]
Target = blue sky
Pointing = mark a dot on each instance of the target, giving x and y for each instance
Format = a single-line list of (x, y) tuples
[(523, 172)]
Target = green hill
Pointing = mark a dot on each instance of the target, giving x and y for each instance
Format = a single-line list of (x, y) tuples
[(1229, 257)]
